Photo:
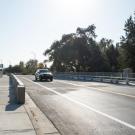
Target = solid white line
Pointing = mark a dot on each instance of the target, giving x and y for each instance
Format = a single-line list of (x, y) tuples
[(78, 85), (84, 105)]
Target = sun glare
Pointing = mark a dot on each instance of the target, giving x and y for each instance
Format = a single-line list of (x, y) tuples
[(74, 6)]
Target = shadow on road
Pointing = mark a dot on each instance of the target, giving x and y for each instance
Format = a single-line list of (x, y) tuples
[(41, 81)]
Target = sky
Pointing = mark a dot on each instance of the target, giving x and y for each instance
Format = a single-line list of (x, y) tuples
[(29, 27)]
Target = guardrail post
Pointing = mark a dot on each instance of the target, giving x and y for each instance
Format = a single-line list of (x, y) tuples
[(127, 81), (117, 81)]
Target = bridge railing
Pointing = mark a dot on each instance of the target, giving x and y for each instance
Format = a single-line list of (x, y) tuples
[(18, 88), (112, 77)]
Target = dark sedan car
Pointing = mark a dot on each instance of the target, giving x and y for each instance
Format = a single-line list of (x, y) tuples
[(43, 74)]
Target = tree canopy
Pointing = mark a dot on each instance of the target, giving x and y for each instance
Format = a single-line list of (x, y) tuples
[(128, 44), (81, 52)]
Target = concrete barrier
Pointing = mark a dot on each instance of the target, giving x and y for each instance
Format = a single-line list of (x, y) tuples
[(19, 89)]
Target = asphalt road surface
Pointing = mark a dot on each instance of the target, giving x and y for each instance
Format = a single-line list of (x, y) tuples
[(85, 108)]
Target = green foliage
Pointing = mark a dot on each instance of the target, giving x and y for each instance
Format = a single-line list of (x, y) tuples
[(14, 69), (31, 66), (77, 52), (128, 44), (28, 68), (80, 52)]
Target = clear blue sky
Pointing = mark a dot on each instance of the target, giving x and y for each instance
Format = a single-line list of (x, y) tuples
[(28, 27)]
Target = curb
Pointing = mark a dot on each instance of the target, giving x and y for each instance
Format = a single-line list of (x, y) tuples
[(41, 123)]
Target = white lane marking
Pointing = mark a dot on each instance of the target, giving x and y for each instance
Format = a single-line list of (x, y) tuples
[(84, 105), (117, 93)]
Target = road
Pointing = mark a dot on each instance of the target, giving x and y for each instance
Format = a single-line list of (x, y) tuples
[(85, 108)]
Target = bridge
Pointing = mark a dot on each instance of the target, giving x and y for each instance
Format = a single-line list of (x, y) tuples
[(71, 105)]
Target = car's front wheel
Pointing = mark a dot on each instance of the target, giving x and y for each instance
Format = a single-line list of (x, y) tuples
[(35, 78), (40, 78), (51, 79)]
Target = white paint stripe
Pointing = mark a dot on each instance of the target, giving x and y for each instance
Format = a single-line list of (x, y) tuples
[(117, 93), (84, 105)]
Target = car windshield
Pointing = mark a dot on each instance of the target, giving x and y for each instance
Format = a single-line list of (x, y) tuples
[(43, 71)]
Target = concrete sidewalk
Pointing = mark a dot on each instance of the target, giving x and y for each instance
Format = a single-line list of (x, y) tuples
[(14, 119), (26, 119)]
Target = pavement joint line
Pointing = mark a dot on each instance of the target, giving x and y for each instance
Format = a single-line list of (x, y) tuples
[(3, 104), (4, 86), (122, 94), (4, 91), (15, 131), (86, 106), (12, 113)]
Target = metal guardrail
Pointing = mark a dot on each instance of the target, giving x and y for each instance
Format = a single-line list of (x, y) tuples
[(19, 89), (111, 77)]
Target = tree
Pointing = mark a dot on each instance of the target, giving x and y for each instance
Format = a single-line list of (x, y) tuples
[(112, 56), (128, 44), (13, 69), (31, 66), (40, 65), (76, 52), (21, 66)]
